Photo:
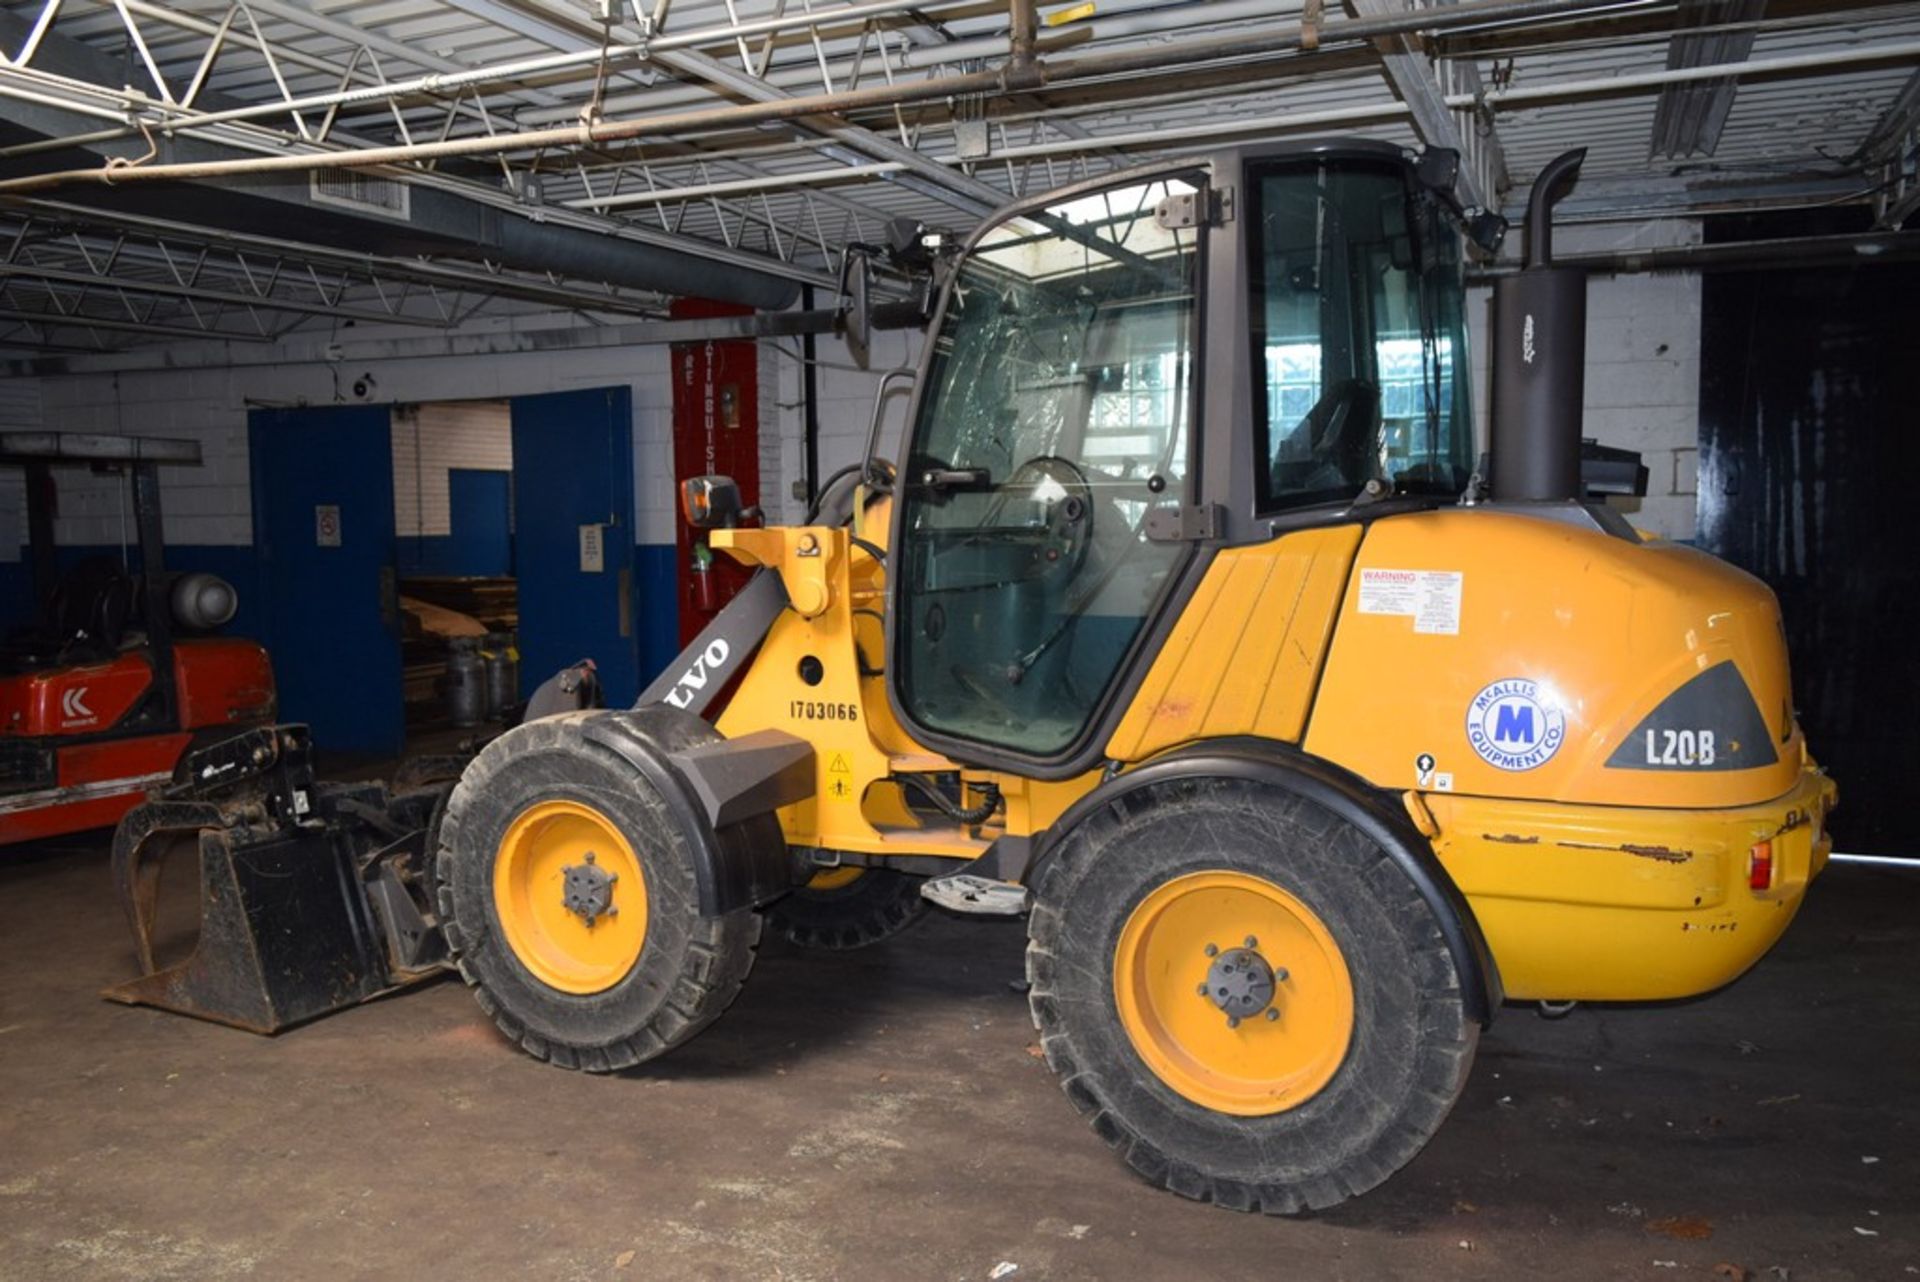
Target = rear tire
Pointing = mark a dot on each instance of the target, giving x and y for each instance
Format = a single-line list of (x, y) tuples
[(837, 915), (1369, 1043), (623, 989)]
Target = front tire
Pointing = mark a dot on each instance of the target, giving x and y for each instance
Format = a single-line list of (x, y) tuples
[(1245, 995), (568, 898)]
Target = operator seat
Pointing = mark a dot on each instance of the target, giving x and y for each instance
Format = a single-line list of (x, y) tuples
[(83, 620), (1329, 448)]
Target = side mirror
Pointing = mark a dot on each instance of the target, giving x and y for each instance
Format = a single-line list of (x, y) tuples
[(856, 313), (711, 502)]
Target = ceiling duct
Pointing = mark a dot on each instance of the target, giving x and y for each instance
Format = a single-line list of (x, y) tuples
[(1689, 116)]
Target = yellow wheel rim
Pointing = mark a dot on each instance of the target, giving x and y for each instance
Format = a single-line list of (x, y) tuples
[(1162, 967), (530, 888), (834, 878)]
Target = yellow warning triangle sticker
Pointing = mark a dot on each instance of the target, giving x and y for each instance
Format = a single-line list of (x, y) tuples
[(839, 766)]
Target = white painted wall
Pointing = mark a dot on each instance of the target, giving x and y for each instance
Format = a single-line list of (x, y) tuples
[(846, 395), (431, 438), (1643, 366), (212, 504)]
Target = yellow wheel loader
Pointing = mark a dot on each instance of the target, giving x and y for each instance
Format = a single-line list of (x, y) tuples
[(1184, 623)]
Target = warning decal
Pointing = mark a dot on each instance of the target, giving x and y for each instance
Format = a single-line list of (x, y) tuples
[(1430, 597), (839, 789)]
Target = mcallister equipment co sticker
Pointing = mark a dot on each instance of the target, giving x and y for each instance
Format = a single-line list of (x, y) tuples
[(1515, 725)]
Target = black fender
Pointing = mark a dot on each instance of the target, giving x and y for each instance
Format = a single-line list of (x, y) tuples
[(736, 865), (1373, 812)]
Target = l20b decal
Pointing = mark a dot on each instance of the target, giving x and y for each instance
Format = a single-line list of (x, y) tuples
[(1710, 723)]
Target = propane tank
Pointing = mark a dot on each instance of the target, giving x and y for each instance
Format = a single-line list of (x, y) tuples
[(201, 600), (503, 673), (466, 682)]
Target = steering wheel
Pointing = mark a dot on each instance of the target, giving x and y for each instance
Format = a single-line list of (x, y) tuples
[(1067, 514), (1060, 541)]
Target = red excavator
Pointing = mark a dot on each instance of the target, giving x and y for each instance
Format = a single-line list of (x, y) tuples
[(102, 694)]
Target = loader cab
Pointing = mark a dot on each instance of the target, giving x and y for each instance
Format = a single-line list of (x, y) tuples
[(1133, 373)]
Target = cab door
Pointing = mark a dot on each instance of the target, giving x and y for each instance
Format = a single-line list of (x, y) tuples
[(1053, 417)]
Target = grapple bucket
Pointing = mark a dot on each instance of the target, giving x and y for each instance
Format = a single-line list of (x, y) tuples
[(310, 895)]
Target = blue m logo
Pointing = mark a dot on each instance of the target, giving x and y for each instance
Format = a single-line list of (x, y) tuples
[(1513, 723)]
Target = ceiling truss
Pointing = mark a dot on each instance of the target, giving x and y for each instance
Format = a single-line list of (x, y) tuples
[(786, 195)]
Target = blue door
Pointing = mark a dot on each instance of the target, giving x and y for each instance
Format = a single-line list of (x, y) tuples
[(479, 511), (323, 527), (573, 536)]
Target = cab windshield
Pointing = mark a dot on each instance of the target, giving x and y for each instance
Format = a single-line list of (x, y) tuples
[(1054, 416)]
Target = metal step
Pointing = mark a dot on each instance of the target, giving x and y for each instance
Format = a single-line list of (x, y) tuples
[(980, 896)]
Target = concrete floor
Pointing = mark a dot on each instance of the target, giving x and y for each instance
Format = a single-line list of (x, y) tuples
[(883, 1115)]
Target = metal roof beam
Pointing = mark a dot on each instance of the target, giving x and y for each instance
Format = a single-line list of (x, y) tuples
[(422, 271), (963, 192), (58, 320), (1425, 85), (921, 174), (1893, 147), (562, 32), (206, 294), (210, 355)]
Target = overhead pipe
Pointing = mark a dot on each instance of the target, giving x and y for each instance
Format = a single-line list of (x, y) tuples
[(1109, 25), (1840, 249), (588, 133), (1022, 29)]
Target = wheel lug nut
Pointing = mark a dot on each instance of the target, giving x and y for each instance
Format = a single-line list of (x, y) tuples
[(1203, 988), (1272, 1014), (1279, 974), (589, 856), (1233, 1021), (1212, 950), (1252, 942)]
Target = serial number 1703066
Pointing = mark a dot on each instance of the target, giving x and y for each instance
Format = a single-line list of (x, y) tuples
[(814, 710)]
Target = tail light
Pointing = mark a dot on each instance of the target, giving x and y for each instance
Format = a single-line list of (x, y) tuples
[(1760, 866)]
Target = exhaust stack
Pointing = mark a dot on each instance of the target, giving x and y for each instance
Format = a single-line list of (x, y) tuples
[(1540, 359)]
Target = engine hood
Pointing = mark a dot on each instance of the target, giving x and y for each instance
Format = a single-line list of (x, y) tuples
[(1504, 655)]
